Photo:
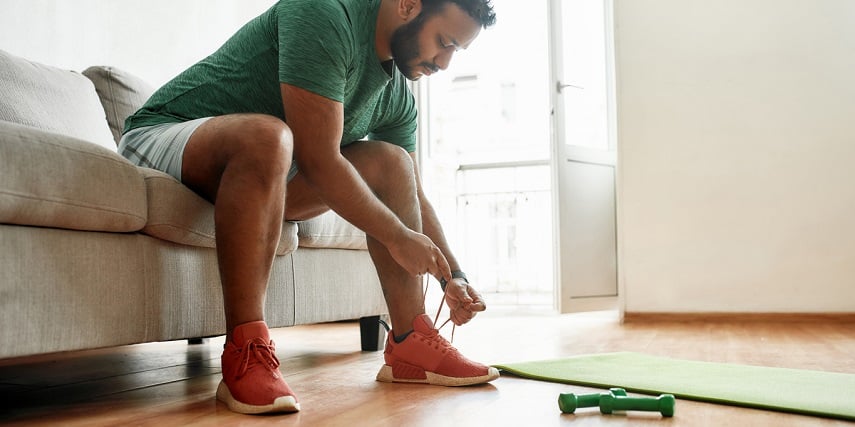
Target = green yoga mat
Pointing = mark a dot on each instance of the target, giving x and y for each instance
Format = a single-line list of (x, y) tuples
[(825, 394)]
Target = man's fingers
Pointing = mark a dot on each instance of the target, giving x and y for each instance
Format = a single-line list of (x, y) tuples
[(478, 306), (460, 317), (477, 303), (442, 269)]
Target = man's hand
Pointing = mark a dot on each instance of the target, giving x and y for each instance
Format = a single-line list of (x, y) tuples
[(463, 301), (417, 254)]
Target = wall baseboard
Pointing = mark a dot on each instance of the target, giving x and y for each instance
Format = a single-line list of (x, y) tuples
[(714, 317)]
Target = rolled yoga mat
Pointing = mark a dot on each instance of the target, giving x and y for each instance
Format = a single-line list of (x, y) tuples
[(825, 394)]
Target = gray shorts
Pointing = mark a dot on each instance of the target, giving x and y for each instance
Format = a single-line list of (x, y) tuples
[(161, 147)]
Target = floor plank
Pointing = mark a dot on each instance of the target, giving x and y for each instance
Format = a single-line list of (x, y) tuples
[(161, 384)]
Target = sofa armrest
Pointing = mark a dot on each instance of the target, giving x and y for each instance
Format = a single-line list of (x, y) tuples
[(52, 180)]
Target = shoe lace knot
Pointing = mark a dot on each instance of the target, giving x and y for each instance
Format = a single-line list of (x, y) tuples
[(257, 351), (437, 341)]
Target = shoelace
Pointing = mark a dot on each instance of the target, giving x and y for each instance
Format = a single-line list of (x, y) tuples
[(436, 340), (439, 310), (262, 351)]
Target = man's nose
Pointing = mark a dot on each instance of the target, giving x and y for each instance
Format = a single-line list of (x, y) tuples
[(444, 59)]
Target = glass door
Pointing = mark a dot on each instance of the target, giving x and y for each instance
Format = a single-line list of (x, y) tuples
[(585, 154), (485, 157)]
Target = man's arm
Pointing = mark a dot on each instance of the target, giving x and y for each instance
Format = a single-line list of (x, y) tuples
[(316, 123), (463, 300)]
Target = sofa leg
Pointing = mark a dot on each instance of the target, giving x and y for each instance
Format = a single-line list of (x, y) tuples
[(193, 341), (373, 333)]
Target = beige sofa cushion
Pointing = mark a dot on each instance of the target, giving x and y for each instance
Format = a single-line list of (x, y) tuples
[(121, 93), (52, 180), (179, 215), (51, 99), (330, 231)]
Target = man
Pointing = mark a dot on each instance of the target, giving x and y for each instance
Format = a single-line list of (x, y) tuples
[(270, 126)]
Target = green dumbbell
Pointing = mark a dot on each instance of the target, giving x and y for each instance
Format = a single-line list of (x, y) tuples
[(664, 404), (569, 402)]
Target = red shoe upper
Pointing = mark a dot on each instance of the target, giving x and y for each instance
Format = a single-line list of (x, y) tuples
[(250, 366), (425, 348)]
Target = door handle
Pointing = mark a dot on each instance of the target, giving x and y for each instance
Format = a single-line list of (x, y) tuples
[(560, 86)]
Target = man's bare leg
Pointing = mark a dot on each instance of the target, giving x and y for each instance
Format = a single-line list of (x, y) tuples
[(240, 163), (424, 356), (388, 171)]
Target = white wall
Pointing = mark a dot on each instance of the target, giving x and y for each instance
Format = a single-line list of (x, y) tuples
[(737, 155), (736, 133), (154, 39)]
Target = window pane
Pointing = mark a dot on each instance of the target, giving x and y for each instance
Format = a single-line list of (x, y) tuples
[(492, 104), (487, 113), (507, 233), (584, 63)]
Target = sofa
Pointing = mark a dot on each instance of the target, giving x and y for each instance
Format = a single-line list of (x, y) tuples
[(96, 252)]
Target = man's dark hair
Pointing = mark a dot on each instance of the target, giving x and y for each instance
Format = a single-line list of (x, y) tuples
[(479, 10)]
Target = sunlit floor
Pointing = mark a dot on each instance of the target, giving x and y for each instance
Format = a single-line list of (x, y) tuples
[(172, 383)]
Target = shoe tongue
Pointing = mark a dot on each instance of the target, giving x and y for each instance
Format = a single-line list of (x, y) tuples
[(247, 331), (423, 324)]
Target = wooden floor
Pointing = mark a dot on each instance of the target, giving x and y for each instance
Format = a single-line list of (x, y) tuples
[(166, 384)]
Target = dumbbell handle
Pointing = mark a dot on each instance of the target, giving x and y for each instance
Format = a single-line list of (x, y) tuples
[(569, 402), (663, 404)]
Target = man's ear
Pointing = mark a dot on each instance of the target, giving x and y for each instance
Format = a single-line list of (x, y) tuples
[(409, 9)]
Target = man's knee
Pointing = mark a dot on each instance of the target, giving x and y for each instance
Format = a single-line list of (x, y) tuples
[(387, 163), (398, 158), (241, 145), (265, 145)]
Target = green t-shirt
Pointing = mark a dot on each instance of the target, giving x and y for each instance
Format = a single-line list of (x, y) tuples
[(324, 46)]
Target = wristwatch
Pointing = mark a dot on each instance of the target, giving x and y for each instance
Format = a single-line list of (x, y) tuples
[(456, 274)]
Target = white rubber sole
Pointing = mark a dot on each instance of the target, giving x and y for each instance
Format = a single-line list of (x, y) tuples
[(385, 375), (281, 404)]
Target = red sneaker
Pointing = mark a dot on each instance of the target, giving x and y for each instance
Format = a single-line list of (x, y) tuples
[(252, 383), (426, 357)]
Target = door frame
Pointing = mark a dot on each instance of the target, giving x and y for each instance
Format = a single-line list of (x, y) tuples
[(561, 153)]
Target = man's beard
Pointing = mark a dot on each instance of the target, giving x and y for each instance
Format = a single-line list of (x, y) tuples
[(405, 47)]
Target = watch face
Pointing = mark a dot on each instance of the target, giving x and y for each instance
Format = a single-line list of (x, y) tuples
[(459, 275)]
